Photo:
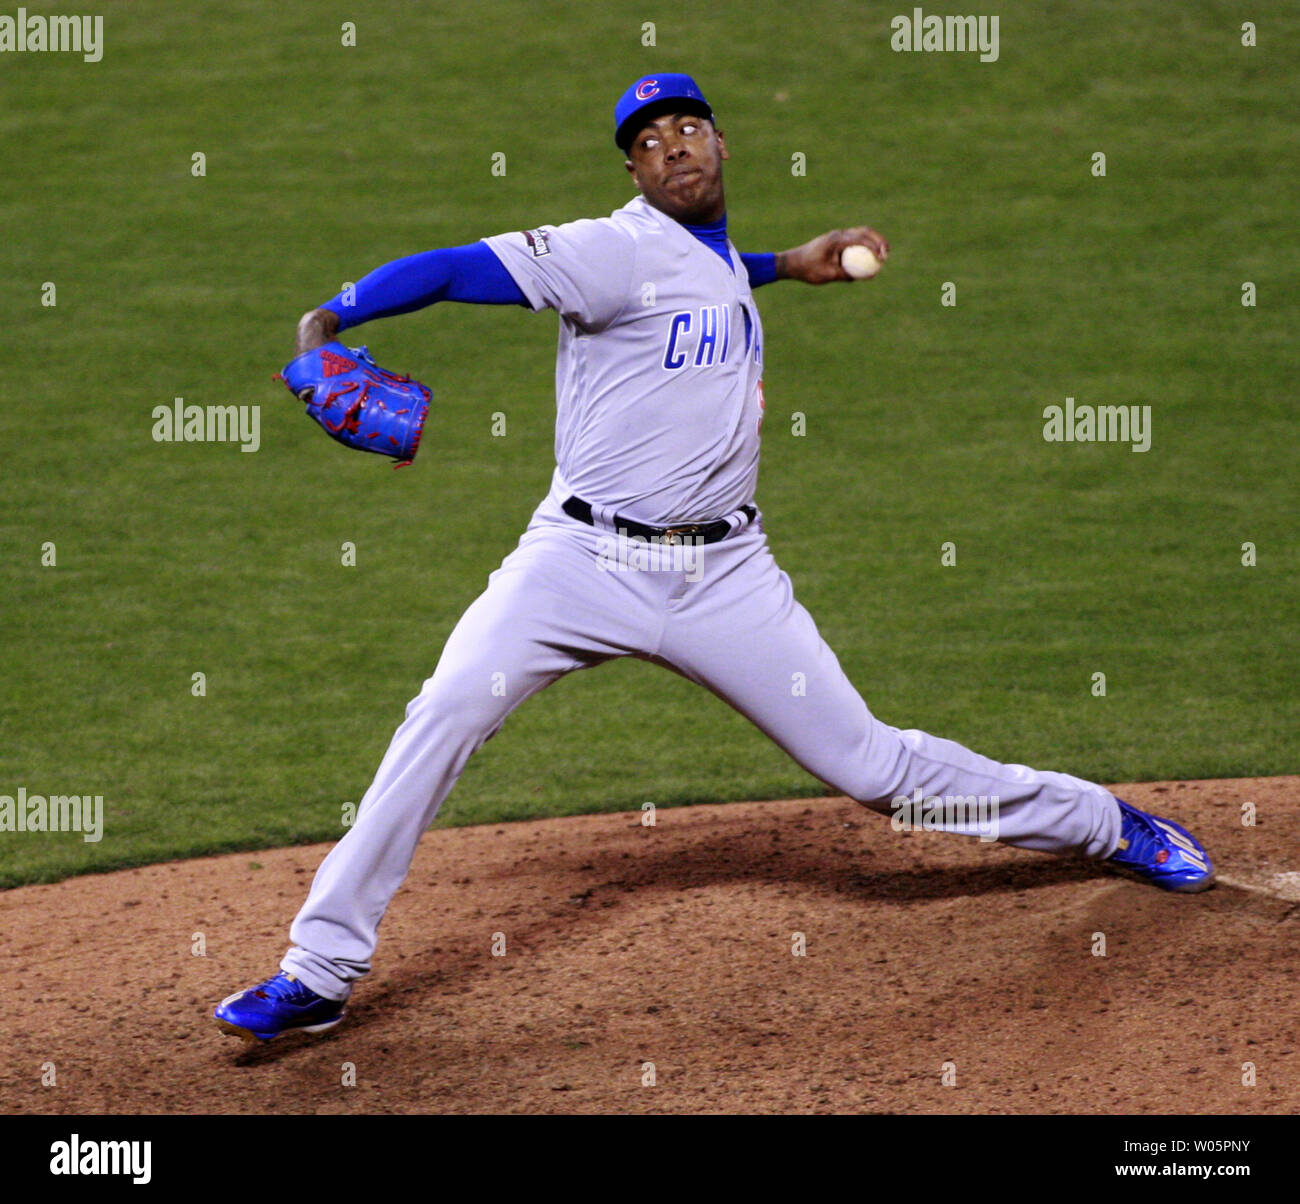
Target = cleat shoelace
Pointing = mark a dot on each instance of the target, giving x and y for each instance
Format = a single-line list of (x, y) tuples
[(280, 987), (1143, 844)]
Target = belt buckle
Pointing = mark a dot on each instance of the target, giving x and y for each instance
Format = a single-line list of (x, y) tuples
[(673, 535)]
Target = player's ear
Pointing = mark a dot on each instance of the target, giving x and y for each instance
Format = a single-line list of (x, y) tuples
[(723, 153)]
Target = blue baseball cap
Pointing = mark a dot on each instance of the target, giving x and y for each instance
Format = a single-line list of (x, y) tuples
[(652, 95)]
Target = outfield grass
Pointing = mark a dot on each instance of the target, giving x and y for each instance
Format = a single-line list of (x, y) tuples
[(923, 422)]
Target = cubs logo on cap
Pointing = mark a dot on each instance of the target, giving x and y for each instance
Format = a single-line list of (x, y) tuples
[(652, 95)]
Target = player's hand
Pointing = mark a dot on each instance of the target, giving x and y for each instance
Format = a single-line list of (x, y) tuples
[(818, 261), (315, 328)]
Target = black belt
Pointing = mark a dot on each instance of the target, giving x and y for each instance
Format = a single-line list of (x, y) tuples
[(575, 507)]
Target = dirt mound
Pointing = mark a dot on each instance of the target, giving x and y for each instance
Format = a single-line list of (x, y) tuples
[(928, 957)]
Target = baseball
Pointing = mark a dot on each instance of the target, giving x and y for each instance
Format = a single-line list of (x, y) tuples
[(860, 262)]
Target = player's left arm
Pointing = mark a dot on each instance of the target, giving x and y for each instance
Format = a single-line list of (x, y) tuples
[(816, 261)]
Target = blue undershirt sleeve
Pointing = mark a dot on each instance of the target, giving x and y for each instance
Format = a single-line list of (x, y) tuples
[(470, 273), (761, 268)]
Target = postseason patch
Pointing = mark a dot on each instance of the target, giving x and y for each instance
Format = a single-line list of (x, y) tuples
[(537, 239)]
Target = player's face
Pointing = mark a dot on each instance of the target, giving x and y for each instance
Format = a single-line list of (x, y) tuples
[(676, 161)]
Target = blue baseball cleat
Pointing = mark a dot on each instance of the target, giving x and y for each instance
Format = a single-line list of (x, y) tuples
[(1161, 852), (278, 1005)]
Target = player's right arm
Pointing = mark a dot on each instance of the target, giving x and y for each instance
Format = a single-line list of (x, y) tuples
[(469, 273)]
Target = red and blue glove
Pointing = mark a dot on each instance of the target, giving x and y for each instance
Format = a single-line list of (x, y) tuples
[(359, 403)]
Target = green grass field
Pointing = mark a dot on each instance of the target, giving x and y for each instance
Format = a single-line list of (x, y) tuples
[(924, 422)]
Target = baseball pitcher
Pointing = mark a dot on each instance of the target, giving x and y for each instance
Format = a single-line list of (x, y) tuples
[(648, 544)]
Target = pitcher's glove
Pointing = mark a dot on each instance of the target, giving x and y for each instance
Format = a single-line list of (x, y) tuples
[(358, 402)]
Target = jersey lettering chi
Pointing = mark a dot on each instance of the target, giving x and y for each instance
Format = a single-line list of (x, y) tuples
[(659, 416)]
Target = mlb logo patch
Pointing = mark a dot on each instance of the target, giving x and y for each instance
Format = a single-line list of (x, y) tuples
[(537, 239)]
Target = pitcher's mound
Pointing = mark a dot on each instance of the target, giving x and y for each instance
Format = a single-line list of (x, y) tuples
[(757, 957)]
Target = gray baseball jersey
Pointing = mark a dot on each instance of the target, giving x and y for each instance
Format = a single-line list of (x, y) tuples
[(657, 374)]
